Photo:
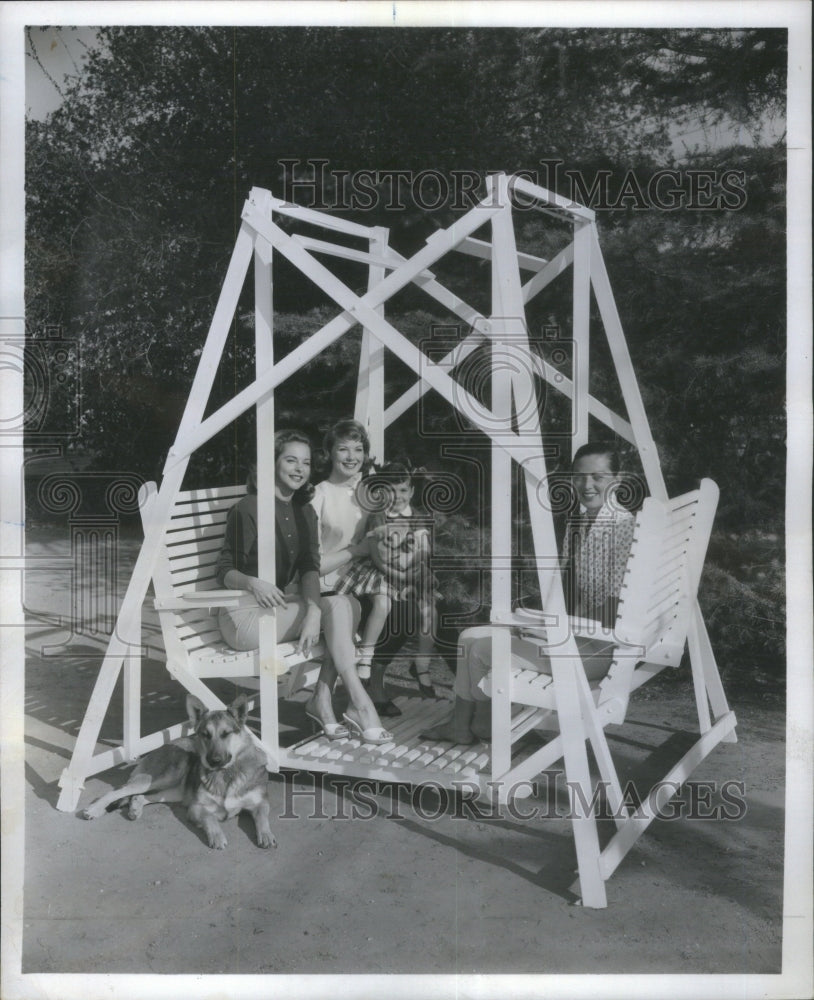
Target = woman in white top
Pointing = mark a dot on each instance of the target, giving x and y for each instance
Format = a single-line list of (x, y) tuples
[(342, 526)]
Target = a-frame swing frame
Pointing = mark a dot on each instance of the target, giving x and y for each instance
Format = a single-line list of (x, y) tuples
[(515, 374)]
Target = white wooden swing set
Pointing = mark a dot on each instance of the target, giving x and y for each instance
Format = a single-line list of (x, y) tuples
[(658, 612)]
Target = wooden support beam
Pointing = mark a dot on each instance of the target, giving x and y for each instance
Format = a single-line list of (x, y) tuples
[(501, 653), (552, 270), (623, 364), (706, 675), (599, 745), (661, 794), (501, 328), (126, 634), (309, 215), (581, 335), (548, 199), (370, 382), (482, 249), (702, 657), (266, 498), (564, 668), (505, 329)]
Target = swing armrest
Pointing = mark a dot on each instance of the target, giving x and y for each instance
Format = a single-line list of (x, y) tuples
[(592, 628), (532, 626), (193, 599), (584, 628)]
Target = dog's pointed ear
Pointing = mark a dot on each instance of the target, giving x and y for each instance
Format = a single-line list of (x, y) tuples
[(195, 709), (240, 709)]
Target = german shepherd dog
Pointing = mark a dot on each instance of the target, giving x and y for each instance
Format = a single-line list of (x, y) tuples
[(217, 772)]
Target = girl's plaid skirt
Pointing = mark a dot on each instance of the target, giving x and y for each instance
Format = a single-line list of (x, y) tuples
[(363, 577)]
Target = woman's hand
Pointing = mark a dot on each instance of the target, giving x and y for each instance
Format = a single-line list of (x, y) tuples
[(309, 633), (378, 533), (359, 549), (266, 594)]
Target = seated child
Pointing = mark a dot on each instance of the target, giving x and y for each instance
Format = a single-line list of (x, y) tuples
[(395, 569)]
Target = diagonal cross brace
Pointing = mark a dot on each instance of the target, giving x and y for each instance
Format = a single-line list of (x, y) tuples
[(360, 309), (357, 310)]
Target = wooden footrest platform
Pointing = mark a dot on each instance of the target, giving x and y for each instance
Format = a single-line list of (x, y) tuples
[(408, 758)]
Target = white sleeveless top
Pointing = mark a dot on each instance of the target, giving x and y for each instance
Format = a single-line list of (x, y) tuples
[(342, 521)]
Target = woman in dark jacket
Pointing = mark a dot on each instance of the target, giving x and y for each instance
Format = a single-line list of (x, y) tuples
[(294, 595)]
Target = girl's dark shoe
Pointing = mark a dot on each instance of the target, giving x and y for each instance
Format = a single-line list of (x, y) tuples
[(422, 678), (387, 708)]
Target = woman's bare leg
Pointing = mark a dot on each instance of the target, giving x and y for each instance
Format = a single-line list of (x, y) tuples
[(320, 703), (340, 617)]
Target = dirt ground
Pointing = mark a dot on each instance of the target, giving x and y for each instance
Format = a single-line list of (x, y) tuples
[(411, 885)]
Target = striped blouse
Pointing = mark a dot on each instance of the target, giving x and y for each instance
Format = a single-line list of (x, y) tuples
[(597, 552)]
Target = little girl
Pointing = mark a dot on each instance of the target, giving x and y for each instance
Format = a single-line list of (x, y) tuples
[(395, 569)]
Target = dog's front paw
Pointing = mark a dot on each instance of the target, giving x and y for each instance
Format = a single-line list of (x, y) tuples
[(266, 839), (91, 812), (136, 807), (217, 839)]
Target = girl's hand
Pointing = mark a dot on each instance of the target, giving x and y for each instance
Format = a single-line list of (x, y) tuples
[(309, 633), (266, 594)]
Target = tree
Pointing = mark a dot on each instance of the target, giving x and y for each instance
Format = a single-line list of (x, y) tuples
[(135, 184)]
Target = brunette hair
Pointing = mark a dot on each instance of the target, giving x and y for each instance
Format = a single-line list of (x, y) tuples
[(391, 474), (281, 439), (395, 472), (600, 448)]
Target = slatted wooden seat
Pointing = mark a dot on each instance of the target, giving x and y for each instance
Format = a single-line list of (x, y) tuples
[(655, 613), (187, 597)]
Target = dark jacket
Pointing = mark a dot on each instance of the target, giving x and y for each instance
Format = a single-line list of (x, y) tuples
[(296, 547)]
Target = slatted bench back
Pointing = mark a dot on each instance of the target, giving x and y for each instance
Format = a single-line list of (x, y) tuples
[(186, 562), (656, 602), (661, 580), (195, 535)]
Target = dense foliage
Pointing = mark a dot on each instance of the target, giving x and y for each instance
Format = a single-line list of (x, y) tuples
[(135, 186)]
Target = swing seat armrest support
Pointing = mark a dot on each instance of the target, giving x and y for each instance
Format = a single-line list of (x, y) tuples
[(622, 635), (587, 627), (193, 599), (591, 628)]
